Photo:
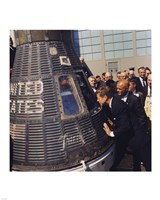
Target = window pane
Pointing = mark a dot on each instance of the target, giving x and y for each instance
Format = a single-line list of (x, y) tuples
[(88, 57), (108, 39), (127, 36), (109, 54), (69, 95), (141, 51), (118, 54), (108, 32), (128, 53), (80, 42), (96, 48), (87, 49), (81, 50), (96, 56), (148, 34), (109, 47), (128, 45), (112, 64), (95, 40), (85, 34), (148, 42), (79, 34), (117, 38), (127, 31), (95, 33), (118, 45), (140, 34), (113, 69), (117, 31), (86, 41), (141, 43)]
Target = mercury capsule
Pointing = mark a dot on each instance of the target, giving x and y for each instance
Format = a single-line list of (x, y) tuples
[(55, 122)]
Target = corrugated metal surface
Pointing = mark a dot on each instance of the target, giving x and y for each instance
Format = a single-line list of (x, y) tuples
[(43, 137)]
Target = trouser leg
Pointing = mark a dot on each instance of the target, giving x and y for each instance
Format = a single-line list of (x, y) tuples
[(119, 152), (137, 160), (146, 156)]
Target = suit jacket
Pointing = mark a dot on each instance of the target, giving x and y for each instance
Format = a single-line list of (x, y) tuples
[(120, 117), (138, 121), (141, 88)]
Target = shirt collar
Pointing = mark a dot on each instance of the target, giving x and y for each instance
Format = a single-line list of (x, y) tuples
[(110, 102), (124, 98)]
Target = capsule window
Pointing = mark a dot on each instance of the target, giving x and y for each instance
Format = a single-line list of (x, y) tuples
[(69, 95)]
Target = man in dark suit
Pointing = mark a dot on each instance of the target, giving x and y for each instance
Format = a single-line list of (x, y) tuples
[(141, 82), (139, 145), (132, 88), (119, 125)]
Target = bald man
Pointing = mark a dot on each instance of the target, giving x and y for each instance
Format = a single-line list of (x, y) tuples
[(139, 143)]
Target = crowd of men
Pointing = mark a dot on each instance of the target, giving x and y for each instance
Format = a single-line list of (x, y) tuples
[(128, 102)]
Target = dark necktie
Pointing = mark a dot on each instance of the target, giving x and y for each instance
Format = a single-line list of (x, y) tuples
[(144, 82)]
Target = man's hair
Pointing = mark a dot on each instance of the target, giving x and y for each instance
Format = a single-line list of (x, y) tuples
[(142, 67), (132, 80), (105, 91), (91, 77), (147, 68)]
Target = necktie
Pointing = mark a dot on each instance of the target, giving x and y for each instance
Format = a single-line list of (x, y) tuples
[(144, 83)]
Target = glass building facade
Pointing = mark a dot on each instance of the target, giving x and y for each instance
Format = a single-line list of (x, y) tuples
[(88, 44), (113, 50), (143, 42), (118, 44)]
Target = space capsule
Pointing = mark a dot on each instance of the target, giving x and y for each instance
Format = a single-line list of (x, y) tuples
[(55, 122)]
